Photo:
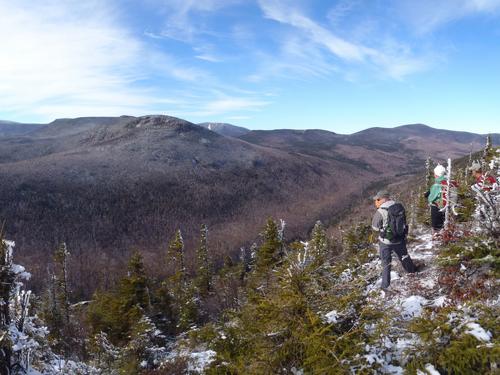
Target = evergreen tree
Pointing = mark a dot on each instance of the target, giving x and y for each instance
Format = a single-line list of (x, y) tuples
[(183, 293), (56, 307), (116, 312), (143, 350), (7, 277), (423, 214), (134, 289), (268, 252), (175, 256), (243, 264), (204, 272), (23, 340), (488, 150), (318, 244), (61, 280)]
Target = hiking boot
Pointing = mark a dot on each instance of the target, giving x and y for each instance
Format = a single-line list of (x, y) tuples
[(419, 266)]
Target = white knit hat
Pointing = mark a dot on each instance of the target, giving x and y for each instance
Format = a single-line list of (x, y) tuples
[(439, 170)]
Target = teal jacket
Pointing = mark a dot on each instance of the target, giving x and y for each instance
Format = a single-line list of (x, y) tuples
[(435, 192)]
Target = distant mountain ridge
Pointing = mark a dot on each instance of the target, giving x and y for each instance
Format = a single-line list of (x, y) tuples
[(11, 128), (225, 129), (106, 185)]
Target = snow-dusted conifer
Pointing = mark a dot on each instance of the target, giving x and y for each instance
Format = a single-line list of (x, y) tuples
[(7, 277), (204, 271), (56, 307), (23, 342), (268, 252), (61, 281), (175, 256), (183, 292), (447, 208), (318, 244), (422, 206), (144, 350), (487, 212)]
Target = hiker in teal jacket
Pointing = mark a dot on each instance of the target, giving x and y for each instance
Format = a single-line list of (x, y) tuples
[(437, 199)]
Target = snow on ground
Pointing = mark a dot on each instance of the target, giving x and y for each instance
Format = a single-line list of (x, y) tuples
[(430, 370), (407, 295), (332, 316), (478, 332), (412, 306), (199, 360)]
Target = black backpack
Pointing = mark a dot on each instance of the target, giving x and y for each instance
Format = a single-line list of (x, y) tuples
[(396, 228)]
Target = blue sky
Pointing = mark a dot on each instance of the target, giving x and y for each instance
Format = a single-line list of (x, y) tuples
[(338, 65)]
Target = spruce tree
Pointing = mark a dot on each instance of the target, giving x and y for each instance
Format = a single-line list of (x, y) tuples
[(116, 312), (204, 272), (183, 293), (423, 214), (175, 256), (61, 281), (268, 252), (7, 277), (134, 289), (318, 244), (56, 307)]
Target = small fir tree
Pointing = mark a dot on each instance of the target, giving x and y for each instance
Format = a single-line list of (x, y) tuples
[(7, 277), (318, 244), (204, 272), (183, 292), (175, 256), (61, 280), (268, 252), (423, 215), (116, 312), (56, 311)]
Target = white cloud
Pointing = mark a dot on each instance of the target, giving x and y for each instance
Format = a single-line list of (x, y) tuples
[(76, 59), (425, 16), (393, 63), (277, 11), (179, 21)]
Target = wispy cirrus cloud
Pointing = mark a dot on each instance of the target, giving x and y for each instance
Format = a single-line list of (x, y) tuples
[(426, 16), (184, 19), (77, 59), (396, 60), (75, 55)]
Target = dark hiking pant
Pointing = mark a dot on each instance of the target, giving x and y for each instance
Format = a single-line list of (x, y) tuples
[(386, 257), (437, 218)]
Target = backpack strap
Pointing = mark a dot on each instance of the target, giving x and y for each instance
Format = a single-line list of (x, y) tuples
[(385, 220)]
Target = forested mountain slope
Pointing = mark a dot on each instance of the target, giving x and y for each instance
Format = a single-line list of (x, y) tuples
[(107, 185)]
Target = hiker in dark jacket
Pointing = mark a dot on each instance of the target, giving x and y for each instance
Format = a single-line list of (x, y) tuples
[(390, 242)]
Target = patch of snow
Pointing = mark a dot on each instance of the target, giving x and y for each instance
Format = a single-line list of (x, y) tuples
[(294, 371), (346, 275), (332, 316), (199, 360), (462, 268), (478, 332), (439, 301), (412, 306), (429, 370), (428, 283), (393, 370), (372, 358)]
